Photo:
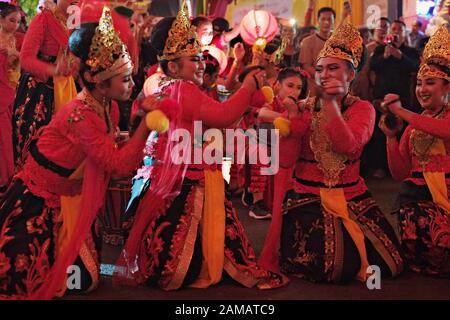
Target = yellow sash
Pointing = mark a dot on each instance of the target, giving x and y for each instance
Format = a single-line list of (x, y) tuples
[(70, 207), (436, 180), (333, 201), (212, 230), (69, 212), (64, 91)]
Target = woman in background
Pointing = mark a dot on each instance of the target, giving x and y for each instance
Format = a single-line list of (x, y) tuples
[(9, 77), (46, 83)]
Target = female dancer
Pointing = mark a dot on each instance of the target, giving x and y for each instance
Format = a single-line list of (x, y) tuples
[(9, 76), (333, 229), (422, 161), (47, 214), (186, 232), (46, 83)]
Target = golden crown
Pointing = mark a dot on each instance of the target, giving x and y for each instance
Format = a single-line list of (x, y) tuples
[(278, 55), (182, 39), (437, 52), (345, 43), (108, 55)]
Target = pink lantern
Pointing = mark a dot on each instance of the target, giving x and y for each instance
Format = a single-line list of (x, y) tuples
[(258, 27), (151, 85)]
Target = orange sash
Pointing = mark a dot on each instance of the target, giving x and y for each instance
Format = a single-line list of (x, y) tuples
[(333, 202), (212, 230)]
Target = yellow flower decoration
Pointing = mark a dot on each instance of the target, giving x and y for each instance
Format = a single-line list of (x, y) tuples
[(283, 125), (268, 94), (157, 121)]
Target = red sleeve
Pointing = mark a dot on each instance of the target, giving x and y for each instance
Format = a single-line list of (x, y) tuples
[(308, 17), (90, 134), (298, 126), (132, 46), (350, 136), (399, 158), (437, 127), (32, 42), (198, 106), (290, 146), (258, 99)]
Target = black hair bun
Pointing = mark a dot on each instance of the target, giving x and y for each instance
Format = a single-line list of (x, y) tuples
[(80, 40), (160, 33), (221, 24)]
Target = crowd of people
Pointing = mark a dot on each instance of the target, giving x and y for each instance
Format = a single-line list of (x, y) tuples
[(339, 97)]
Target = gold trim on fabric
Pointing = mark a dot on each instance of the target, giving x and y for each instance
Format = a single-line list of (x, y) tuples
[(422, 142), (379, 239), (329, 243), (339, 250), (330, 163), (245, 278), (91, 265), (189, 243)]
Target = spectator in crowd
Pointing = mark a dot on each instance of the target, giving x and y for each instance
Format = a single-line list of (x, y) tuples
[(365, 35), (416, 34), (379, 34), (204, 30), (361, 86), (393, 63), (311, 45), (291, 53)]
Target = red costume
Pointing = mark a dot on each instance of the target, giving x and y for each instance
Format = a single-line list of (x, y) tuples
[(313, 234), (422, 204), (75, 136), (173, 261), (9, 70), (34, 105), (403, 162)]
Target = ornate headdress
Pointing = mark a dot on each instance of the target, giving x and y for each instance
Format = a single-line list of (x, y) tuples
[(182, 39), (278, 55), (108, 55), (437, 52), (346, 44)]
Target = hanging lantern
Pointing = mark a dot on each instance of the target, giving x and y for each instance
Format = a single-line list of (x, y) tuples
[(258, 26), (151, 85)]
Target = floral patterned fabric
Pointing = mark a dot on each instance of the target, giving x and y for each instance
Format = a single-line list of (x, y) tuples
[(316, 246), (30, 218), (172, 255), (424, 230), (28, 237), (33, 109)]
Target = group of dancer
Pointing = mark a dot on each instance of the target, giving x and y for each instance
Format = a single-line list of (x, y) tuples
[(185, 232)]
